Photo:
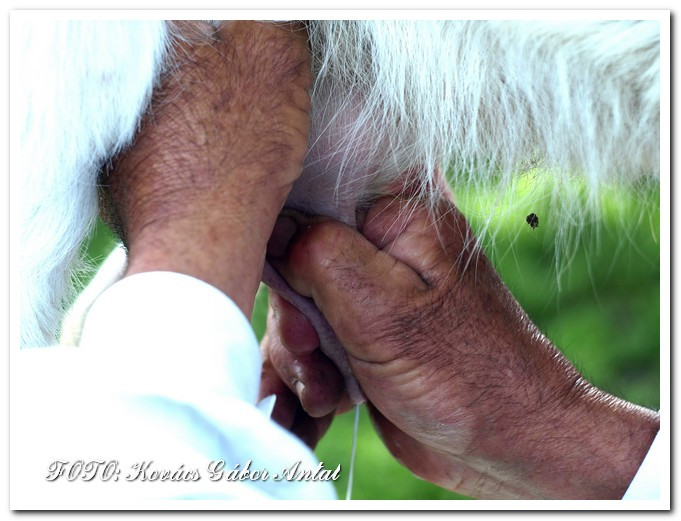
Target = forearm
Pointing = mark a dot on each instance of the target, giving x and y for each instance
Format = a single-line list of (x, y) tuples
[(196, 247), (199, 191)]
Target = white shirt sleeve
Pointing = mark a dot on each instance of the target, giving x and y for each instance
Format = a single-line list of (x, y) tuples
[(646, 482), (165, 379)]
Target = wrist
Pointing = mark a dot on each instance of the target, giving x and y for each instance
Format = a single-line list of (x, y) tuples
[(580, 443), (605, 441), (225, 253)]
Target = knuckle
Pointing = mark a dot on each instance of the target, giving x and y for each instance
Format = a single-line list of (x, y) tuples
[(318, 246), (280, 359), (392, 217)]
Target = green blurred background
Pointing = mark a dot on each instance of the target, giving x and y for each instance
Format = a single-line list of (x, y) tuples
[(588, 276)]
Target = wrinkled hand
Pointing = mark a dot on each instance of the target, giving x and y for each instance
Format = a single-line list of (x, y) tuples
[(463, 388), (199, 191)]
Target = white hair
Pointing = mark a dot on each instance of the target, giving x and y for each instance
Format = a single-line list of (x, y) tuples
[(478, 100)]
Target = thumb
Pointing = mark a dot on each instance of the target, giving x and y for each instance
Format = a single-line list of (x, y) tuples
[(361, 283), (352, 282)]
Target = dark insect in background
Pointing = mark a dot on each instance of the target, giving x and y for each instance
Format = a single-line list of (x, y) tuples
[(532, 220)]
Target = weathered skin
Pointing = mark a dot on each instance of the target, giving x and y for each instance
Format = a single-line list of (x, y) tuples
[(328, 341)]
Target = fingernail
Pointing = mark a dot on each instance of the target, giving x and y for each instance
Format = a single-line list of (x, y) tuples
[(300, 387), (284, 229)]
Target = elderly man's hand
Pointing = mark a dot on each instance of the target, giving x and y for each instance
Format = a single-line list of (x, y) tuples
[(199, 191), (463, 388)]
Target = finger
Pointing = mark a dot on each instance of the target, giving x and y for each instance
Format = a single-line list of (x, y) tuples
[(337, 267), (430, 239), (345, 404), (396, 441), (353, 283), (312, 377), (424, 462), (294, 330), (288, 411), (309, 429), (286, 404)]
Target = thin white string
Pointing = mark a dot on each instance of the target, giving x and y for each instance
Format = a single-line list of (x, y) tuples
[(348, 495)]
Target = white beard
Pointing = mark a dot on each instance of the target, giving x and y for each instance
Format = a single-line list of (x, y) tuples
[(479, 100)]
